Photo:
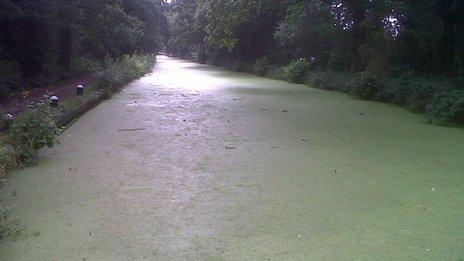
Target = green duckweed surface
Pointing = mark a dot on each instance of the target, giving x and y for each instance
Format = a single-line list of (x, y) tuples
[(194, 162)]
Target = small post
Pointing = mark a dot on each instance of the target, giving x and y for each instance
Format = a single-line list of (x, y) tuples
[(54, 101), (80, 89), (7, 120)]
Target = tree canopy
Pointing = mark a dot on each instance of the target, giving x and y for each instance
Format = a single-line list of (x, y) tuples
[(41, 40), (47, 40), (387, 36)]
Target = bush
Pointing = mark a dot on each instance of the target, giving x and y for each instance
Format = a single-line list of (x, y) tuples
[(274, 72), (446, 107), (420, 94), (10, 78), (296, 71), (395, 91), (200, 55), (7, 160), (458, 81), (365, 86), (83, 65), (109, 79), (122, 71), (261, 66), (244, 67), (32, 131), (5, 91), (330, 80), (3, 123)]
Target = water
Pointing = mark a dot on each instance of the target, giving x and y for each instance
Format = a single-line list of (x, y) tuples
[(209, 174)]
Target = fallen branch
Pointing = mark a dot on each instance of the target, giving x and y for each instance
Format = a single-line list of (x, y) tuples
[(139, 129)]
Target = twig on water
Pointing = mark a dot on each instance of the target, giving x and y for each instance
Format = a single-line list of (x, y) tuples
[(138, 129)]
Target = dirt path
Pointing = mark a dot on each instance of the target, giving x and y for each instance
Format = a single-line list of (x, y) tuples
[(17, 102), (193, 162)]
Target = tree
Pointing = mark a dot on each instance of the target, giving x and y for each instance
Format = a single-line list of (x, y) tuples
[(26, 34), (42, 38)]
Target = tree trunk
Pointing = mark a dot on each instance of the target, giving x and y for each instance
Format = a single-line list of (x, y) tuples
[(449, 36), (65, 45), (458, 10), (356, 8), (65, 48)]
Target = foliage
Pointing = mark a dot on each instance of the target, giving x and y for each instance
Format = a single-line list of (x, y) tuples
[(375, 50), (383, 37), (261, 66), (85, 65), (111, 31), (154, 24), (123, 70), (37, 128), (7, 160), (9, 73), (420, 94), (46, 40), (413, 93), (309, 31), (3, 123), (187, 22), (447, 107), (330, 80), (5, 91), (296, 71), (239, 30), (275, 72), (365, 86), (396, 91), (32, 131)]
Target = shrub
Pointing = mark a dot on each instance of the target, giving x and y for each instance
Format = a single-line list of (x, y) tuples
[(395, 91), (200, 55), (296, 71), (330, 80), (109, 79), (275, 72), (10, 78), (244, 67), (420, 94), (261, 66), (122, 71), (32, 131), (365, 86), (3, 124), (83, 65), (458, 81), (7, 160), (446, 107), (5, 91), (134, 66)]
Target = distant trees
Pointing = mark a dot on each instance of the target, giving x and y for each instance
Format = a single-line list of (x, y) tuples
[(238, 30), (385, 36), (409, 53), (43, 40)]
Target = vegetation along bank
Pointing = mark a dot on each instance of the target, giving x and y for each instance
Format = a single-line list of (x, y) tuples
[(43, 43), (409, 53)]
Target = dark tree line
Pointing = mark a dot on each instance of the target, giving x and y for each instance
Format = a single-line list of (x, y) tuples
[(385, 36), (48, 40)]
